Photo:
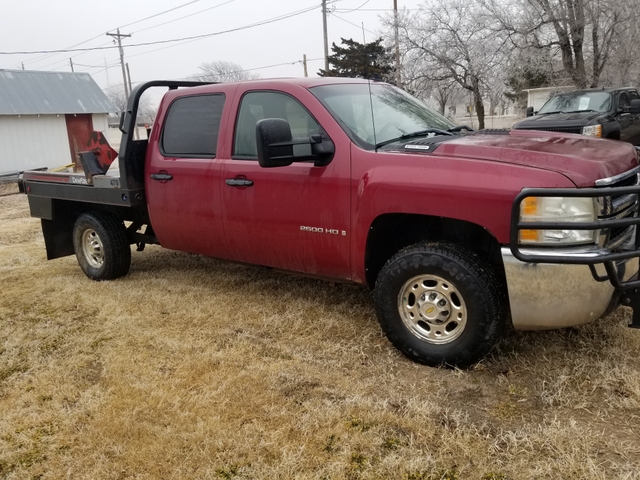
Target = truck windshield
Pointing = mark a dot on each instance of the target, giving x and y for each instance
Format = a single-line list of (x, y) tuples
[(376, 113), (573, 102)]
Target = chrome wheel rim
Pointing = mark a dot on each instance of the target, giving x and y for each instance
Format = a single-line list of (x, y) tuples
[(92, 248), (432, 309)]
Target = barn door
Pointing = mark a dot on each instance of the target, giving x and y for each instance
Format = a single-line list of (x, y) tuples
[(79, 128)]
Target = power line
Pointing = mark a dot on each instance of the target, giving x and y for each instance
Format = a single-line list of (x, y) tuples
[(95, 66), (185, 16), (342, 10), (157, 42), (196, 77), (65, 60), (353, 9), (196, 39), (200, 77), (121, 26), (158, 14), (351, 23)]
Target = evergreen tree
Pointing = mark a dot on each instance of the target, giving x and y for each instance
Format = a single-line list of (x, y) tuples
[(521, 78), (369, 60)]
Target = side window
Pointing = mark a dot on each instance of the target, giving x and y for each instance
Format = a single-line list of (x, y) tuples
[(258, 105), (623, 101), (633, 95), (191, 126)]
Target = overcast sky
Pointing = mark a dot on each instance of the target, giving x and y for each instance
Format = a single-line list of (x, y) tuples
[(272, 50)]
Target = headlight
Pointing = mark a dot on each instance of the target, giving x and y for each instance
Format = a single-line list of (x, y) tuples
[(557, 209), (592, 130)]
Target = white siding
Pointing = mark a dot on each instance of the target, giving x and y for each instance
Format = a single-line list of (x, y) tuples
[(538, 99), (30, 141), (538, 96), (100, 122)]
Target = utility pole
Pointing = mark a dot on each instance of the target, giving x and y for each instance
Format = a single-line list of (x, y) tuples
[(324, 31), (106, 69), (395, 25), (135, 131), (304, 64), (128, 77), (71, 63), (118, 36)]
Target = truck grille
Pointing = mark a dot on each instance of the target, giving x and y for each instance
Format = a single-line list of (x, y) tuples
[(618, 207), (577, 130)]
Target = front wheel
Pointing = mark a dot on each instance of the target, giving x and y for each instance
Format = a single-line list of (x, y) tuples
[(439, 304), (101, 246)]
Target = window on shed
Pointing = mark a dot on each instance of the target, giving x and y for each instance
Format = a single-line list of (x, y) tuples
[(191, 126)]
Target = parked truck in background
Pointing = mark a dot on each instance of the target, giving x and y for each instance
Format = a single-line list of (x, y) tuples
[(456, 232), (612, 113)]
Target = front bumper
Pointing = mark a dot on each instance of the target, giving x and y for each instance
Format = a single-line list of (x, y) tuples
[(557, 295), (560, 287)]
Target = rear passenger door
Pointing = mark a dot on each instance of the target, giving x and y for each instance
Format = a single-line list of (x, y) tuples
[(183, 178)]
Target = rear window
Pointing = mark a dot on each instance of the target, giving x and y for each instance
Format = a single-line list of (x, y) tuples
[(191, 126)]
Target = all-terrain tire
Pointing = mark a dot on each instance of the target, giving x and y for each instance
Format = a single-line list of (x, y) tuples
[(440, 304), (101, 245)]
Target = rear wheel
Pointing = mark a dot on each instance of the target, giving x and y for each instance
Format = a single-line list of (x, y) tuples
[(101, 245), (439, 304)]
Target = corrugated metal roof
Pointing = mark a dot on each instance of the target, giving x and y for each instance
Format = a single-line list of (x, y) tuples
[(28, 92)]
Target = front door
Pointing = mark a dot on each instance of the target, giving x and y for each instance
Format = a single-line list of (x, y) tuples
[(294, 217), (183, 177), (625, 119), (634, 136)]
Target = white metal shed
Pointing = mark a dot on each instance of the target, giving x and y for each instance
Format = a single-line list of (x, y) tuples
[(47, 117)]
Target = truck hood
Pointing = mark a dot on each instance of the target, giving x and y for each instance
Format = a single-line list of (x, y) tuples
[(583, 160), (561, 119)]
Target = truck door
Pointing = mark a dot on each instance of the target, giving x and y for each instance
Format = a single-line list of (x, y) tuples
[(625, 119), (182, 176), (294, 217), (635, 128)]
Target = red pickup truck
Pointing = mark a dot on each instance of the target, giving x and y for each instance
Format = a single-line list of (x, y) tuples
[(458, 232)]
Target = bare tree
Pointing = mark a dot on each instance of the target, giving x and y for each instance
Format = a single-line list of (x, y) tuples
[(495, 89), (117, 97), (146, 111), (223, 71), (458, 43), (443, 93), (582, 32), (622, 67)]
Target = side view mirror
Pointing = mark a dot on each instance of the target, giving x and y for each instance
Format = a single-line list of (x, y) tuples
[(277, 148), (635, 106), (529, 111)]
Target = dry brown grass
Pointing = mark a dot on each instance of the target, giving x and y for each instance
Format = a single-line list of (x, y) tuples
[(194, 368)]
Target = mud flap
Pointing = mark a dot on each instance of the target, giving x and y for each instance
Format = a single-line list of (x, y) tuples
[(631, 298)]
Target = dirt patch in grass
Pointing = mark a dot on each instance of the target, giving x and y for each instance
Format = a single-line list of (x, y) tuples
[(194, 368)]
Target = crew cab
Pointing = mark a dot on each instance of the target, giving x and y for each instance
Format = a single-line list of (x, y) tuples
[(457, 232), (607, 113)]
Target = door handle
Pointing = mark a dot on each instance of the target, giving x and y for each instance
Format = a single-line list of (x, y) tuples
[(163, 177), (239, 182)]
